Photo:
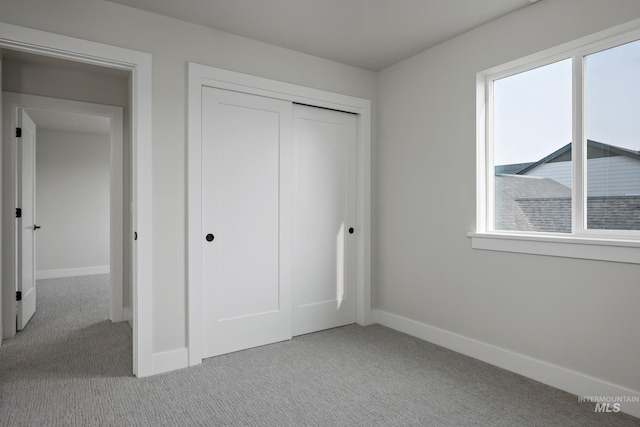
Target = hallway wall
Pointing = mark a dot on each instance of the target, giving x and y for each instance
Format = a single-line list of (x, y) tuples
[(72, 203)]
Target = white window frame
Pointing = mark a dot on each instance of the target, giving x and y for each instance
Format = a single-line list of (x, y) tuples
[(606, 245)]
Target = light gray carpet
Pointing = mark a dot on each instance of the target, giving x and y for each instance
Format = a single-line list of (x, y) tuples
[(71, 366)]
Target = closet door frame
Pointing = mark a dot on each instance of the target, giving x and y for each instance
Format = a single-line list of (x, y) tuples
[(202, 75)]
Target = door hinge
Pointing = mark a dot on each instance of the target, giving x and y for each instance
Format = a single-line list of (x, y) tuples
[(18, 213), (18, 296), (18, 132)]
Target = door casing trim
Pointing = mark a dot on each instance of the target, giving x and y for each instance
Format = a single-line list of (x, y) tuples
[(139, 64)]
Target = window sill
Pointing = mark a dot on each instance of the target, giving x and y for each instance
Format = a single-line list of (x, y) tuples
[(601, 249)]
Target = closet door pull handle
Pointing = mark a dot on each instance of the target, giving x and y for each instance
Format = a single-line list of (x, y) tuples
[(209, 237)]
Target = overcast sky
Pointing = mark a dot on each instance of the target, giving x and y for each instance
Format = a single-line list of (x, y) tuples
[(532, 110)]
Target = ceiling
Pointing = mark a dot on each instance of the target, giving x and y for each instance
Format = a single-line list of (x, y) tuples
[(60, 120), (370, 34)]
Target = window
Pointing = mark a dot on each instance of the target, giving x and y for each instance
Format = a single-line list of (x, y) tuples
[(536, 122), (559, 147), (612, 131), (532, 150)]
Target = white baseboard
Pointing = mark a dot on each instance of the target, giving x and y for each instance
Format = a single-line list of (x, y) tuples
[(72, 272), (546, 373), (169, 361), (128, 316)]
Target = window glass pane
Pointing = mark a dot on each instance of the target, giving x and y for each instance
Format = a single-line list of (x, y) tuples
[(612, 122), (532, 150)]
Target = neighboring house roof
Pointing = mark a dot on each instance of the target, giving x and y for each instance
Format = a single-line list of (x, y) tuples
[(516, 198), (613, 212), (524, 203), (511, 169), (547, 214), (596, 149), (534, 203)]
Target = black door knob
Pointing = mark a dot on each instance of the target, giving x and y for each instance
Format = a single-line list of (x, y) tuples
[(209, 237), (351, 230), (35, 227)]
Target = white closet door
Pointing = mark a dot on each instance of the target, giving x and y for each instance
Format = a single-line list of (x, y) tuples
[(246, 220), (325, 230)]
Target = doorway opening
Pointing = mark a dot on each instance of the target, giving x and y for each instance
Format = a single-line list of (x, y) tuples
[(64, 177), (80, 54), (72, 199)]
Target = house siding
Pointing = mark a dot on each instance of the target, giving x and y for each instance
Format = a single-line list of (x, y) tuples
[(606, 176)]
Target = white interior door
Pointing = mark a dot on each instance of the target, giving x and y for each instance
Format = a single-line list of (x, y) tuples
[(246, 206), (325, 232), (26, 283)]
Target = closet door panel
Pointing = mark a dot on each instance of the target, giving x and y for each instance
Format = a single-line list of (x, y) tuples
[(246, 291), (325, 204)]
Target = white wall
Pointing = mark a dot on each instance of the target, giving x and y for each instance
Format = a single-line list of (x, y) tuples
[(72, 200), (173, 43), (56, 80), (576, 314)]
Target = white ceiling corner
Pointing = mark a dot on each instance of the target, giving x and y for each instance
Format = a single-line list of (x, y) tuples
[(370, 34)]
